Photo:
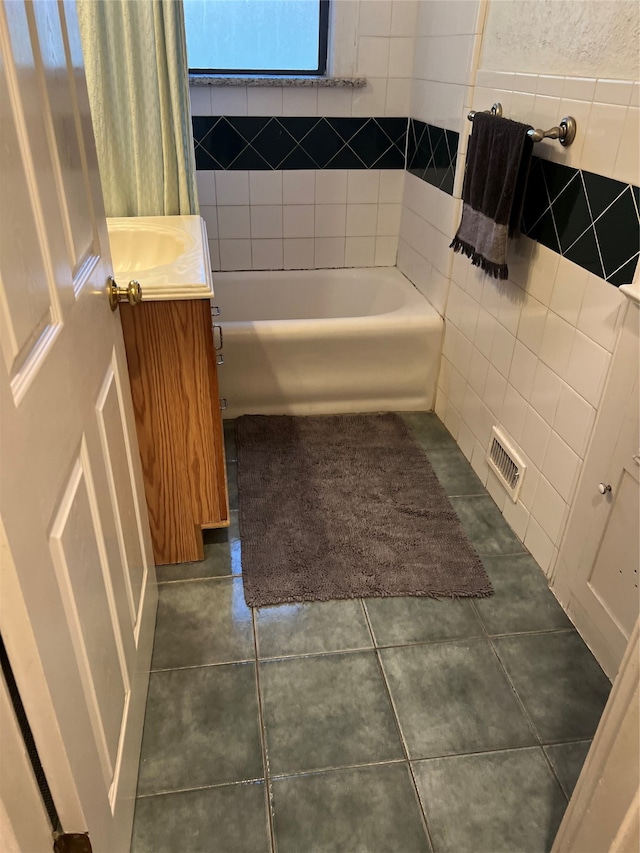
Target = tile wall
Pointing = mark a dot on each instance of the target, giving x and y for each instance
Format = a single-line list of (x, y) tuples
[(532, 354), (317, 217)]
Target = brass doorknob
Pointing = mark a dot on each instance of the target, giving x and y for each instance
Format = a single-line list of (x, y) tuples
[(132, 293)]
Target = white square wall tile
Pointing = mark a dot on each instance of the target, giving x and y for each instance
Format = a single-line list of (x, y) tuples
[(401, 53), (206, 184), (391, 186), (375, 17), (331, 186), (299, 186), (398, 97), (568, 290), (502, 349), (532, 321), (560, 466), (265, 187), (234, 222), (229, 101), (299, 102), (299, 254), (329, 252), (232, 187), (627, 165), (574, 419), (404, 17), (267, 254), (369, 100), (210, 216), (613, 92), (579, 88), (514, 411), (523, 368), (361, 220), (298, 220), (535, 437), (266, 221), (235, 255), (517, 517), (545, 392), (264, 101), (214, 254), (541, 547), (557, 341), (360, 252), (386, 251), (200, 99), (549, 510), (388, 219), (606, 123), (373, 56), (335, 102), (599, 311), (331, 220), (544, 267), (363, 186), (494, 391), (587, 368)]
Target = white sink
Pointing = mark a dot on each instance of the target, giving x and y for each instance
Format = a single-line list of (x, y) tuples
[(168, 255)]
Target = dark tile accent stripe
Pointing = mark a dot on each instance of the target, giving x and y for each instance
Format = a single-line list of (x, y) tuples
[(432, 153), (591, 220), (292, 142)]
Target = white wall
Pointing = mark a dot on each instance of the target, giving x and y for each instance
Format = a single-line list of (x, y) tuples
[(586, 38), (324, 218), (447, 47)]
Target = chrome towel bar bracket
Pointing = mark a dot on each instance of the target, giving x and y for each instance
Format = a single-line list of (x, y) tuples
[(565, 131)]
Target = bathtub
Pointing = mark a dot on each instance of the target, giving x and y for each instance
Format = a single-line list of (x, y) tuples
[(326, 341)]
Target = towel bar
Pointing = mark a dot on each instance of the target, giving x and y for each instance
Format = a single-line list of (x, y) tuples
[(565, 132)]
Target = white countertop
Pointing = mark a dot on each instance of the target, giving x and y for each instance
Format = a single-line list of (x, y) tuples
[(168, 255)]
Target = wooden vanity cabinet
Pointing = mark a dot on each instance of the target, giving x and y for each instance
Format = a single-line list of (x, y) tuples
[(174, 384)]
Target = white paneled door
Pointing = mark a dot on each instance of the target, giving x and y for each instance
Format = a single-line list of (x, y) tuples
[(597, 576), (78, 582)]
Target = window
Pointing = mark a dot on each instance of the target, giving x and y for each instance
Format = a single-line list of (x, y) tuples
[(257, 36)]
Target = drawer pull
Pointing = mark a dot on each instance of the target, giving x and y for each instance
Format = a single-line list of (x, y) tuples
[(218, 346), (215, 310), (223, 403)]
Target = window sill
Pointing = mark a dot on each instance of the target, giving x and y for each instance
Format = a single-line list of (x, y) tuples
[(277, 81)]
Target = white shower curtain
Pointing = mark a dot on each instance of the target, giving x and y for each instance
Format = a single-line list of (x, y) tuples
[(136, 64)]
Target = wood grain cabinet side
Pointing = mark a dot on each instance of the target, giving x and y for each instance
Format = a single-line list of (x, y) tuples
[(174, 384)]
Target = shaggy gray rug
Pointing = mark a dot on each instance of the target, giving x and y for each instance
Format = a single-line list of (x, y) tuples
[(346, 506)]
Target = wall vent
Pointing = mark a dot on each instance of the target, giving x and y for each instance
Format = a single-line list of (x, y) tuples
[(506, 464)]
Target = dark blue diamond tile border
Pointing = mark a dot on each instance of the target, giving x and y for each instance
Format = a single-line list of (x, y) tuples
[(432, 153), (591, 220), (292, 142)]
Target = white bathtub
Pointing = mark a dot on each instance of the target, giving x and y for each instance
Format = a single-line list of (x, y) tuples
[(326, 341)]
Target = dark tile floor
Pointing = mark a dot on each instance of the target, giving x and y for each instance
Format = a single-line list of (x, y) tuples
[(370, 726)]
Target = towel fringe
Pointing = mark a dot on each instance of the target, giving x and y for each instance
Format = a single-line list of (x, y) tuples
[(500, 271)]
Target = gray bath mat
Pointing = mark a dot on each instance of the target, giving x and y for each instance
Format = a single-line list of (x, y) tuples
[(346, 506)]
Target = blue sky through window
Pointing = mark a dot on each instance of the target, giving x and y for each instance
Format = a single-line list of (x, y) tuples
[(256, 35)]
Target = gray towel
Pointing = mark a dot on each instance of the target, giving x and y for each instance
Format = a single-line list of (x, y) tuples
[(498, 160)]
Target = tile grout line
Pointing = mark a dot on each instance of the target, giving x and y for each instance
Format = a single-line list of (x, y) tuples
[(526, 714), (403, 744), (213, 787), (263, 739)]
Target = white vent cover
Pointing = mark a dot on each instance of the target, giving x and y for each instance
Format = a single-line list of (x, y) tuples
[(505, 463)]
